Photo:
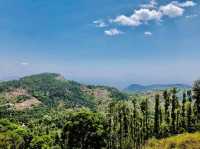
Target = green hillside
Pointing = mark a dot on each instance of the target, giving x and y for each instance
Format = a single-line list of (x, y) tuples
[(50, 89), (45, 111), (183, 141)]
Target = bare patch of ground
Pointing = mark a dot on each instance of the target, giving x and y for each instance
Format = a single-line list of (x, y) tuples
[(30, 103)]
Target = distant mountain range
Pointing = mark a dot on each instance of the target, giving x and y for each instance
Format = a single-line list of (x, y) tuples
[(154, 87)]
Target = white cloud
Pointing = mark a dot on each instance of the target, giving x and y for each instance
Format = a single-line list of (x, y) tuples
[(152, 4), (172, 10), (144, 15), (147, 33), (139, 16), (24, 63), (127, 21), (175, 8), (113, 32), (150, 12), (100, 23), (188, 3)]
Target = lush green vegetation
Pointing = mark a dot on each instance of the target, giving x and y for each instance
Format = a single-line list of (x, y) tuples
[(183, 141), (52, 88), (76, 116)]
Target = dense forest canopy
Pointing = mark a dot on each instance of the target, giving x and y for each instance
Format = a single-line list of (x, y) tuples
[(46, 111)]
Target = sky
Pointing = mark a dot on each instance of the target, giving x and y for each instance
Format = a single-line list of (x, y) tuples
[(109, 42)]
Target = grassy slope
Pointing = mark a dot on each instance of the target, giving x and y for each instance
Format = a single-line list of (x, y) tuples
[(183, 141)]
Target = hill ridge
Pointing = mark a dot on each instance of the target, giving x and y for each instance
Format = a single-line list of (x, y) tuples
[(153, 87)]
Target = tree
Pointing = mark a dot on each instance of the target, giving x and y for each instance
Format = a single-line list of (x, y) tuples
[(167, 104), (183, 124), (189, 109), (41, 142), (124, 125), (196, 95), (160, 116), (156, 115), (13, 136), (134, 124), (145, 112), (84, 130), (173, 111)]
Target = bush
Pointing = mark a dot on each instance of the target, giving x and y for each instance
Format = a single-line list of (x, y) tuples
[(184, 141)]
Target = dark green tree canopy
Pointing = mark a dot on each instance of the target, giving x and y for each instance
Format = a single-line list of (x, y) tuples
[(84, 129)]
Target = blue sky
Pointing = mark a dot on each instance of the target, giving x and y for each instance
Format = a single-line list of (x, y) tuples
[(111, 42)]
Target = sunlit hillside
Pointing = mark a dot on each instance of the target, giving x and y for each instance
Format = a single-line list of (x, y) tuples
[(183, 141)]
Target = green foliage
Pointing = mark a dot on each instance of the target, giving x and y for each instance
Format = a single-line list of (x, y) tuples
[(184, 141), (166, 97), (41, 142), (157, 115), (22, 98), (84, 129), (52, 88), (123, 121), (196, 95), (13, 136)]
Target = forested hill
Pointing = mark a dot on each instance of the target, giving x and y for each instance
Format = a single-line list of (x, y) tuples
[(47, 111), (50, 89), (154, 87)]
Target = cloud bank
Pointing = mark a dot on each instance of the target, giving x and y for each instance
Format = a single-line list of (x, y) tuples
[(150, 12)]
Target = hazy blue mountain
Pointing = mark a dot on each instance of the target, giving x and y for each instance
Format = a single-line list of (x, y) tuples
[(154, 87)]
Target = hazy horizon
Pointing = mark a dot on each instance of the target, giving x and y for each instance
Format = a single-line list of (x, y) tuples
[(118, 84)]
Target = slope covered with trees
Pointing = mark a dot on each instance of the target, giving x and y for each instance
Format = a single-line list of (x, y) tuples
[(114, 121), (51, 89)]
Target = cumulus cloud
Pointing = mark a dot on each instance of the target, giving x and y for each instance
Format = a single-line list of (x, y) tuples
[(171, 10), (147, 33), (139, 16), (127, 21), (113, 32), (150, 12), (144, 15), (100, 23)]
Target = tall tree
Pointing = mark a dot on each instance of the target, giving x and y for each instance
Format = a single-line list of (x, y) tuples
[(183, 121), (145, 112), (173, 111), (157, 115), (178, 113), (196, 94), (189, 109), (134, 124), (167, 104)]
